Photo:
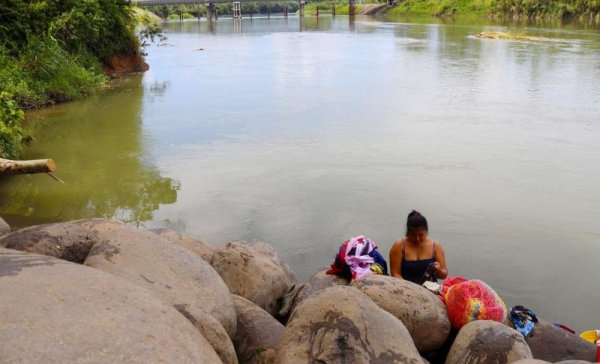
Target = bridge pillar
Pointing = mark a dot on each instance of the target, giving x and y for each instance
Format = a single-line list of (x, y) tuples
[(333, 10), (285, 11), (237, 10), (211, 11), (351, 10), (301, 7)]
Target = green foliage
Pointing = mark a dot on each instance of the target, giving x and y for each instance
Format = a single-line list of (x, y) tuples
[(562, 9), (441, 7), (53, 50), (44, 73), (99, 27), (11, 133), (225, 9), (185, 15)]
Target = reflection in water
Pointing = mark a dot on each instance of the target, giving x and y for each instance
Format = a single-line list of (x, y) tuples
[(158, 88), (302, 139), (100, 154), (237, 26)]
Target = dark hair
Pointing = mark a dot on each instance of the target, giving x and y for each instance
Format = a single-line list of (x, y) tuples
[(415, 220)]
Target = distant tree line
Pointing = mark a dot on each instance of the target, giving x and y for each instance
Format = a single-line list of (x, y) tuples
[(192, 11), (585, 10)]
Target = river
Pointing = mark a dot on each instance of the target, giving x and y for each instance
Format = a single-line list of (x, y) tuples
[(305, 133)]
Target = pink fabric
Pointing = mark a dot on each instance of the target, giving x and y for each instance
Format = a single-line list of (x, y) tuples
[(360, 242), (360, 263)]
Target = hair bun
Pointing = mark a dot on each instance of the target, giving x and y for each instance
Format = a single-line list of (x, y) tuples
[(414, 213)]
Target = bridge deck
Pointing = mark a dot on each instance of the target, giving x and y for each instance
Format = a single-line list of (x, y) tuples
[(194, 2)]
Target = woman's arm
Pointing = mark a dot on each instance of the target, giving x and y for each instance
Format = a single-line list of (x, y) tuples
[(396, 259), (441, 271)]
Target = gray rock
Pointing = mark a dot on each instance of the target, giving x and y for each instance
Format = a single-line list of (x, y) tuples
[(530, 361), (255, 272), (258, 334), (203, 249), (342, 325), (317, 282), (100, 227), (214, 332), (54, 311), (4, 228), (175, 275), (486, 341), (422, 312), (70, 241), (551, 343)]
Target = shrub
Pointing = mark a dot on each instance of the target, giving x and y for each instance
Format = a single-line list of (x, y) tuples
[(11, 133)]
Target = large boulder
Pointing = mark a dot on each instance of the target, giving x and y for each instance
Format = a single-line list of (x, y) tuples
[(421, 311), (342, 325), (173, 274), (214, 333), (317, 282), (551, 343), (255, 272), (99, 226), (486, 341), (54, 311), (4, 227), (258, 334), (203, 249), (538, 361), (70, 241)]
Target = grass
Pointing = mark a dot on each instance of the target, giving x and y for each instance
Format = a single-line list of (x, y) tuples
[(441, 8), (44, 73)]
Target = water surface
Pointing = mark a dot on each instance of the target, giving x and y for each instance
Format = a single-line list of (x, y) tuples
[(305, 133)]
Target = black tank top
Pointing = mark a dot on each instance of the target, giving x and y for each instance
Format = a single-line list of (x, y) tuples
[(414, 270)]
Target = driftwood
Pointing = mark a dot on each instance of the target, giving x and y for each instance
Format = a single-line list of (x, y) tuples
[(509, 36), (9, 167)]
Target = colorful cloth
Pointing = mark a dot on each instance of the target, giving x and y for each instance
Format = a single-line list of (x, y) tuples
[(470, 300), (523, 319), (356, 258)]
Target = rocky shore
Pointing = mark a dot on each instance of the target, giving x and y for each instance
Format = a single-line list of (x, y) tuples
[(101, 291)]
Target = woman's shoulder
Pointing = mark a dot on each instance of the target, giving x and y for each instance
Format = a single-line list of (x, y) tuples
[(398, 242), (398, 245)]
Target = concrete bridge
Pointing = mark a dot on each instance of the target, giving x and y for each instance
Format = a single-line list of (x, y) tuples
[(210, 5)]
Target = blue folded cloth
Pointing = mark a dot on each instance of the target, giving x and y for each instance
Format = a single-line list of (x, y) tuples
[(523, 319)]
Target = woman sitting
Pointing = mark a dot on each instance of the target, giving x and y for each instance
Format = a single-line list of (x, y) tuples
[(356, 258), (417, 257)]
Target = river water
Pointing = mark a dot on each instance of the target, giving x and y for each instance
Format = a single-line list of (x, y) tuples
[(305, 133)]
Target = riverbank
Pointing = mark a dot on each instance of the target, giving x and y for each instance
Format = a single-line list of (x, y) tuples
[(586, 10), (176, 298), (61, 54)]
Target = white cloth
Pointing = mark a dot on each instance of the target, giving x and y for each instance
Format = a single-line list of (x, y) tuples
[(360, 262)]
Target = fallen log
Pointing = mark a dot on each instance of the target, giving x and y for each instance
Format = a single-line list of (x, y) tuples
[(9, 167)]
